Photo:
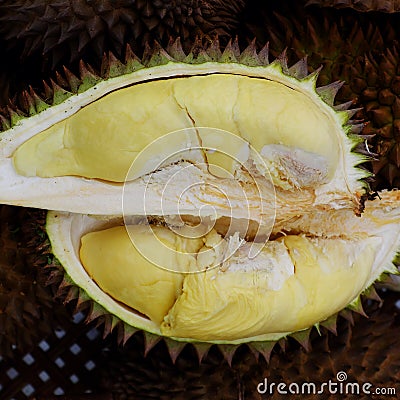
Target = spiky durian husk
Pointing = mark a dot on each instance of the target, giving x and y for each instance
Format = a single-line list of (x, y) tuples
[(375, 80), (66, 30), (366, 352), (40, 35), (4, 81), (333, 38), (27, 308), (387, 6)]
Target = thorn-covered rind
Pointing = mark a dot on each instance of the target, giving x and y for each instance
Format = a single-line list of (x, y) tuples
[(88, 77), (330, 324), (174, 348), (15, 115), (303, 337), (214, 50), (385, 6), (59, 94), (329, 92), (175, 50), (40, 104), (263, 55), (156, 55), (132, 62), (228, 352), (249, 55), (300, 69), (150, 340), (263, 348), (231, 53), (125, 332), (28, 103), (202, 350)]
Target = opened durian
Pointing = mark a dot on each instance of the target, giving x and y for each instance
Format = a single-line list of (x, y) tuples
[(209, 197)]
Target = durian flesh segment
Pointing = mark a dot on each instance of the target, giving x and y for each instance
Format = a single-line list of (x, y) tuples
[(104, 138), (238, 302), (292, 283), (114, 259)]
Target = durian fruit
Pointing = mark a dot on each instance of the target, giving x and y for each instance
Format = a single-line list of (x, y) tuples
[(358, 50), (65, 31), (42, 36), (386, 6), (211, 197), (27, 309), (4, 81), (375, 80), (332, 38)]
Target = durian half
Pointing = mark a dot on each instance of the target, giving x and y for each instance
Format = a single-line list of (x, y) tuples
[(205, 197)]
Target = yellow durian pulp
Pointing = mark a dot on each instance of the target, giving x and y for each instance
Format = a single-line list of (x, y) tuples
[(247, 299), (122, 271), (104, 138), (212, 288)]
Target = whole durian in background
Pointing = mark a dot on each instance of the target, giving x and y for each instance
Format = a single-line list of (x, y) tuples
[(40, 36), (28, 310), (360, 49), (386, 6)]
